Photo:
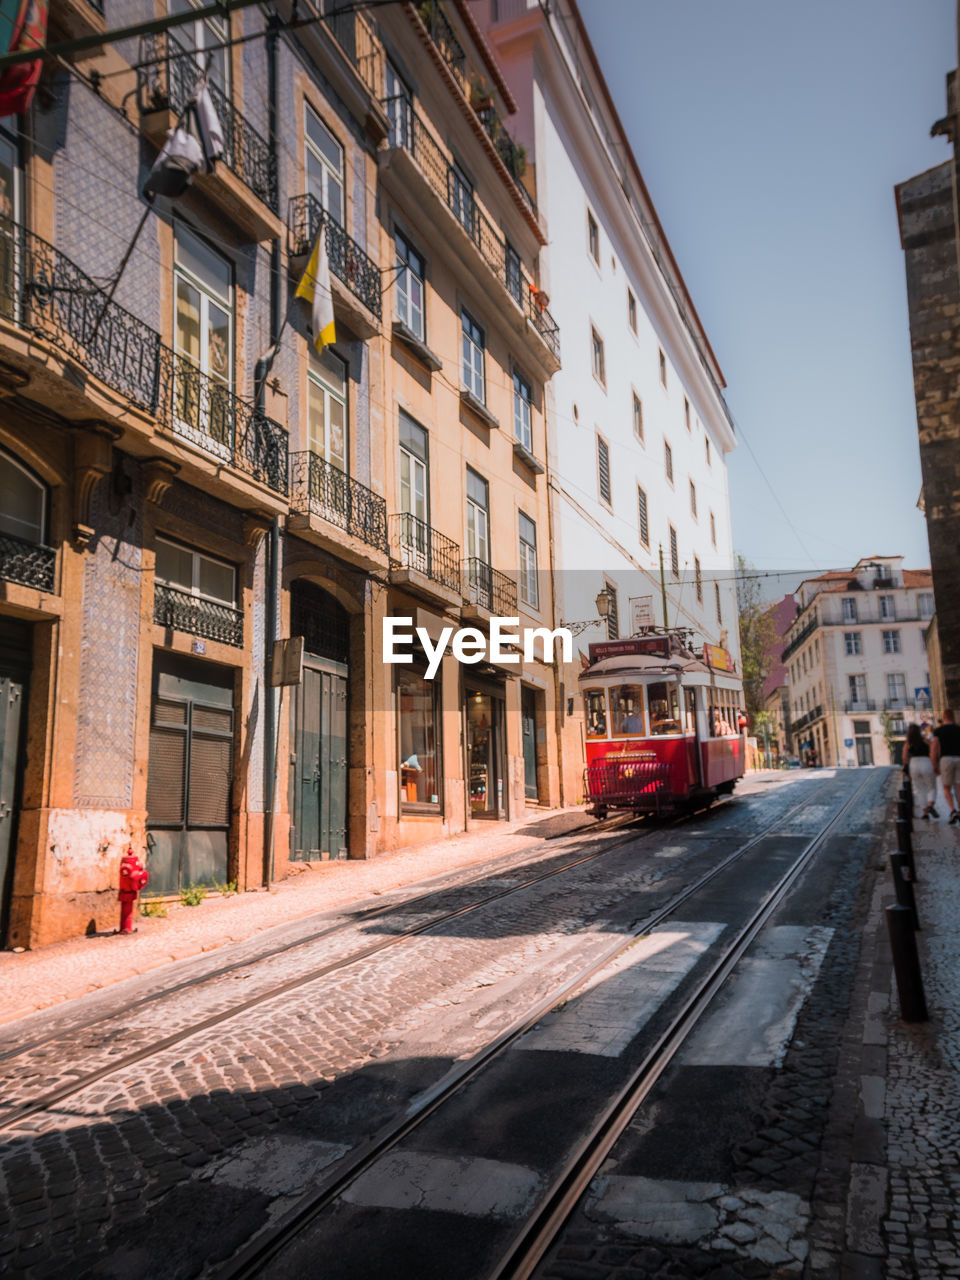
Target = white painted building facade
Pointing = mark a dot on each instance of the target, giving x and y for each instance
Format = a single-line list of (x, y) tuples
[(638, 431), (856, 661)]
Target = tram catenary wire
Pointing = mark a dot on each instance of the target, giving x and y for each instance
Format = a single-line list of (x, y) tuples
[(252, 1259)]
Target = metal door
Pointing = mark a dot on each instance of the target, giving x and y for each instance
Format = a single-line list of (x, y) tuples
[(190, 775), (528, 720), (13, 690), (320, 764)]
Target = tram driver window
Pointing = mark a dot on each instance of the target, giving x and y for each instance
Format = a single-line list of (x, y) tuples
[(626, 708), (664, 707), (595, 710)]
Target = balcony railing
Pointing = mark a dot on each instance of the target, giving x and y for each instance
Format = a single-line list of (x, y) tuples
[(205, 618), (512, 154), (168, 80), (29, 563), (417, 546), (856, 706), (487, 587), (408, 131), (443, 36), (899, 704), (354, 35), (348, 262), (43, 292), (203, 410), (799, 638), (321, 489)]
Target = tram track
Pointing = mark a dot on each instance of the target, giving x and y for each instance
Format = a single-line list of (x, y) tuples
[(12, 1116), (534, 1239)]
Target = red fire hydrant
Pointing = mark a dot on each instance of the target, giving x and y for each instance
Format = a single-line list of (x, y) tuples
[(133, 877)]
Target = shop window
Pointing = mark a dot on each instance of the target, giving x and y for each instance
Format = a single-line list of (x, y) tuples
[(418, 718)]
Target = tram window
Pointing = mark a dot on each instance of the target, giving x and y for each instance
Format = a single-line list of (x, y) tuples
[(664, 706), (626, 709), (595, 710)]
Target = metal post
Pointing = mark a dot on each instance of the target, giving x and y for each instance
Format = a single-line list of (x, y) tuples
[(903, 885), (905, 811), (905, 846), (906, 965)]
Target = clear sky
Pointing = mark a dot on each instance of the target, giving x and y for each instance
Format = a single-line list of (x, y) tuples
[(771, 135)]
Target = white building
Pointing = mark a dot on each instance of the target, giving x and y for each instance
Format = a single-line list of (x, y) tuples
[(856, 661), (638, 431)]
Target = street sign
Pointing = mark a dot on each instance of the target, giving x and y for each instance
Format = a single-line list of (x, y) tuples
[(922, 694), (848, 742), (286, 666), (641, 612)]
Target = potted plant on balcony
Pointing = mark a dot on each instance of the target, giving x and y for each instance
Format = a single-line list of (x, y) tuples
[(481, 98)]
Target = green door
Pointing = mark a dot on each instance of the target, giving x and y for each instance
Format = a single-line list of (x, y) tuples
[(528, 720), (190, 775), (320, 763), (15, 646)]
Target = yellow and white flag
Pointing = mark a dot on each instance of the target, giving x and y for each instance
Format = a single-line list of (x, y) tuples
[(315, 288)]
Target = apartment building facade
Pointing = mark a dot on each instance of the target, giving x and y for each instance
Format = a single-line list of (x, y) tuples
[(185, 480), (638, 429), (856, 661)]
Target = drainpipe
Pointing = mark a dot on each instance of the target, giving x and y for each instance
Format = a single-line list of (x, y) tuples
[(260, 374)]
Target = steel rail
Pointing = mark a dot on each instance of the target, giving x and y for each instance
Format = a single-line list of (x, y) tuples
[(252, 1258), (538, 1234), (16, 1115), (364, 917)]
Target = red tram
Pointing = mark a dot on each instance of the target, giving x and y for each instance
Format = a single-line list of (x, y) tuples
[(662, 724)]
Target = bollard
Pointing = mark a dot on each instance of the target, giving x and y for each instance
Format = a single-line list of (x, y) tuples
[(905, 845), (905, 811), (903, 885), (906, 965)]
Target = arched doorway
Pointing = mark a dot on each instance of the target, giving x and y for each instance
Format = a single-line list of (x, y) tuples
[(318, 779)]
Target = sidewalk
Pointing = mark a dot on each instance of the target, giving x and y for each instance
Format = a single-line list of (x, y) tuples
[(34, 980), (903, 1216)]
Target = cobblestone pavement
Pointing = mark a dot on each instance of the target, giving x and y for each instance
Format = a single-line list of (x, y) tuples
[(165, 1145), (843, 1164)]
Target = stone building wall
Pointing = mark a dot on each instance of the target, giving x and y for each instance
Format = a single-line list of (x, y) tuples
[(928, 235)]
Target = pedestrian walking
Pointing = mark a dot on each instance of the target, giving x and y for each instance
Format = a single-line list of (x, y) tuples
[(916, 760), (945, 757)]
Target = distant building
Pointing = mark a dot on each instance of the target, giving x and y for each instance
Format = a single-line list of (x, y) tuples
[(776, 690), (856, 661), (927, 211)]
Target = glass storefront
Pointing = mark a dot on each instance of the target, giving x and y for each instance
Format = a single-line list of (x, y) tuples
[(418, 718), (484, 754)]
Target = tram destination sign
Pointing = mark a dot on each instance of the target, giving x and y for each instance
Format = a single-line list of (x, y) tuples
[(652, 646)]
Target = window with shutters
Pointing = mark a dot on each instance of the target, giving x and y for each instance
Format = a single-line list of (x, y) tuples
[(674, 553), (603, 469), (593, 238), (613, 617), (631, 310), (706, 445), (713, 529), (663, 369), (716, 600), (597, 358), (686, 413), (191, 764), (698, 580), (642, 512), (668, 461), (638, 417), (693, 500)]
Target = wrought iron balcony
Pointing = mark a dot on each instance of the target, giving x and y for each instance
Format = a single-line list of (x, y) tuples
[(417, 546), (29, 563), (803, 634), (205, 618), (167, 81), (354, 35), (489, 588), (443, 36), (408, 132), (899, 704), (43, 292), (857, 706), (203, 410), (513, 154), (348, 262), (321, 489)]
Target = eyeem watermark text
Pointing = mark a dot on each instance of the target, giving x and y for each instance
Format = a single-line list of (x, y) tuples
[(469, 644)]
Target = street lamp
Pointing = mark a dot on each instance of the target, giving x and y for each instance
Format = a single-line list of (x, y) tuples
[(604, 603)]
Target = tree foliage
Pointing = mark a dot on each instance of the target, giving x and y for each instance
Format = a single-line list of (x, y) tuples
[(758, 638)]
